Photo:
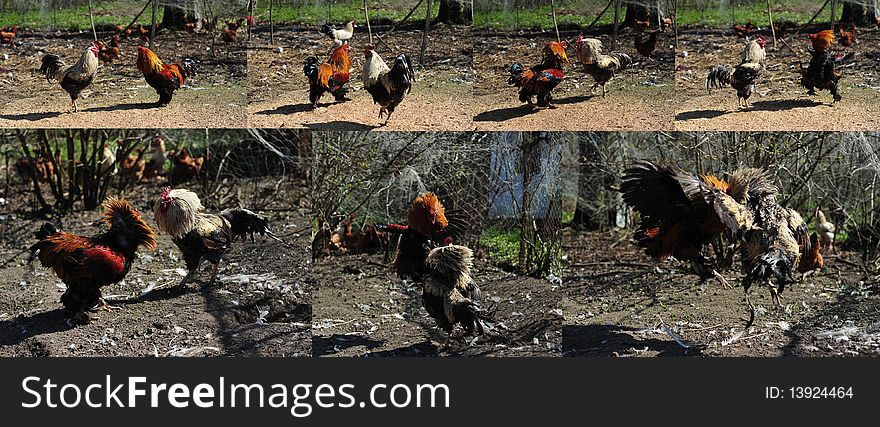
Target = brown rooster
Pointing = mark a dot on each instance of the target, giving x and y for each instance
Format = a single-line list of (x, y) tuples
[(86, 264), (331, 76), (681, 213), (540, 80), (164, 78)]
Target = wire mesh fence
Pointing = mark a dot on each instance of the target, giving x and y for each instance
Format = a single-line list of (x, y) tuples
[(730, 12), (581, 13), (505, 184)]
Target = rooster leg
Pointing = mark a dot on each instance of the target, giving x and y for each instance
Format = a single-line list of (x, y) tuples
[(721, 279), (774, 294), (189, 276), (104, 306), (752, 311), (214, 273), (604, 89)]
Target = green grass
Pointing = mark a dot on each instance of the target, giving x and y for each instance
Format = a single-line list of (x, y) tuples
[(503, 245), (339, 12), (797, 11), (540, 17), (77, 18), (567, 217)]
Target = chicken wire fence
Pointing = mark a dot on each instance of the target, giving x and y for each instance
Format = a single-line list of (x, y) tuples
[(838, 173), (64, 13), (730, 12), (505, 184), (518, 13)]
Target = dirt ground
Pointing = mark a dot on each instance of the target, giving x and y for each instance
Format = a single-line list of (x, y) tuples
[(261, 307), (362, 309), (440, 98), (780, 102), (638, 98), (618, 303), (215, 98)]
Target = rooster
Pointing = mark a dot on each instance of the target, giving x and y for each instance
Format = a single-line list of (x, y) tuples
[(682, 213), (331, 76), (165, 78), (200, 235), (75, 78), (644, 46), (601, 67), (540, 80), (847, 37), (825, 229), (754, 51), (85, 264), (108, 53), (387, 85), (820, 74), (742, 78), (450, 294), (7, 37), (342, 35)]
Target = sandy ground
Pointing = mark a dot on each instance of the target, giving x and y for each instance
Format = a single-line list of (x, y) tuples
[(638, 99), (120, 97), (780, 102), (440, 98), (617, 303), (261, 307), (362, 309)]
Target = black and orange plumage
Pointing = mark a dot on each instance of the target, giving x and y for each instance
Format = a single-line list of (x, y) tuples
[(820, 74), (164, 78), (540, 80), (85, 264), (331, 76)]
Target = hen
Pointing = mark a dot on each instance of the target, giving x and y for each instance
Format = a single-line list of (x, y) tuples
[(229, 35), (646, 46), (165, 78), (387, 85), (7, 37), (200, 235), (682, 213), (75, 78), (342, 35), (331, 76), (184, 166), (848, 37), (825, 229), (820, 74), (540, 80), (601, 67), (742, 31), (108, 53), (85, 264)]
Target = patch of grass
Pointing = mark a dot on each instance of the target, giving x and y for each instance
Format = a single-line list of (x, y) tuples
[(540, 17), (77, 18), (503, 245), (797, 11), (341, 11), (567, 217)]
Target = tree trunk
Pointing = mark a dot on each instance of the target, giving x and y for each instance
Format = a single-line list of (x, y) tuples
[(455, 12), (855, 13), (175, 18), (583, 216)]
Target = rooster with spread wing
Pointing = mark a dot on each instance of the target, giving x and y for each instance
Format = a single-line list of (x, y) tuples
[(820, 74)]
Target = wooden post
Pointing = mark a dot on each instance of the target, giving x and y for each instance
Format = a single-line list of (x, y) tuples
[(251, 6), (367, 18), (153, 27), (770, 18), (616, 24), (555, 26), (833, 13), (92, 20), (425, 35), (271, 24)]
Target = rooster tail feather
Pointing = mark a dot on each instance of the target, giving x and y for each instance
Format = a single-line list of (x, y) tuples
[(189, 66), (244, 222), (625, 60), (718, 77), (45, 231), (772, 264), (327, 29), (516, 70), (50, 66)]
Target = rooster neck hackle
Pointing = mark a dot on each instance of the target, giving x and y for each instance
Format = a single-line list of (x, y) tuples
[(451, 265), (427, 215), (374, 68), (148, 61), (122, 217), (177, 212)]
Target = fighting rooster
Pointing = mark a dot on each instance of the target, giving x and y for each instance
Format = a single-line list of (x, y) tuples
[(331, 76), (601, 67), (450, 294), (820, 74), (165, 78), (682, 213), (75, 78), (200, 235), (85, 264), (540, 80), (387, 85)]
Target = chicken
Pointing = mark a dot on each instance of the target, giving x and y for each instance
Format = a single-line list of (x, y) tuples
[(40, 168), (144, 34), (540, 80), (108, 53), (847, 37), (825, 230), (387, 85), (229, 35), (743, 31), (820, 74), (782, 27), (601, 67), (185, 167), (742, 78), (754, 52), (682, 213), (342, 35), (133, 165), (646, 46), (8, 36), (199, 235), (450, 294), (155, 166), (85, 264), (75, 78), (165, 78), (331, 76), (107, 164), (641, 25)]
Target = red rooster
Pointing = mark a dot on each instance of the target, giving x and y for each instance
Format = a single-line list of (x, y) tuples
[(331, 76), (85, 264), (540, 80), (75, 78), (387, 85), (820, 74), (165, 78)]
